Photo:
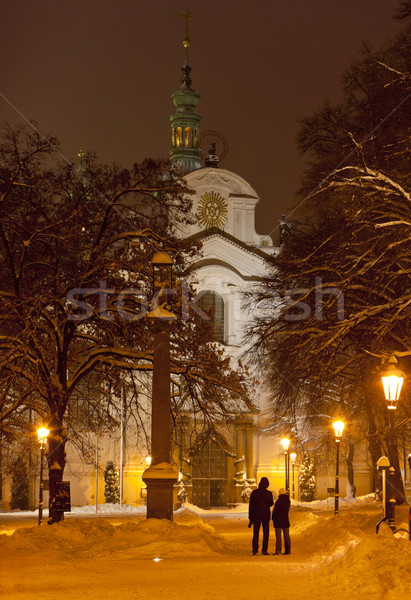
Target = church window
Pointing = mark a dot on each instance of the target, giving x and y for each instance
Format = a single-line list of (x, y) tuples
[(212, 304), (179, 137), (195, 138), (189, 137)]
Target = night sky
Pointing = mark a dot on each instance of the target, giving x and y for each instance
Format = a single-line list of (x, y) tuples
[(98, 74)]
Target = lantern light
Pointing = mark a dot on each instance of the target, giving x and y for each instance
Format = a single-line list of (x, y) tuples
[(42, 435), (285, 443), (293, 456), (392, 380), (338, 429)]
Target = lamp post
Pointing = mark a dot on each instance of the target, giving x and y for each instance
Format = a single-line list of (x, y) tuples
[(42, 435), (338, 430), (160, 476), (285, 443), (392, 380), (293, 456)]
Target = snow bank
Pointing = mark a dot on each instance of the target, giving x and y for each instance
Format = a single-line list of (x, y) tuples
[(90, 509), (378, 567), (328, 503), (188, 536), (329, 537), (234, 511)]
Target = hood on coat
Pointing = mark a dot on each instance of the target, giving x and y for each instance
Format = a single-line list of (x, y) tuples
[(264, 483)]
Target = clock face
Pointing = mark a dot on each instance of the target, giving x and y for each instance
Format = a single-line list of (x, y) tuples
[(212, 210)]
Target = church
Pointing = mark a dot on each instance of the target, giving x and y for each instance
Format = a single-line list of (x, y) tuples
[(220, 472), (223, 469), (232, 258)]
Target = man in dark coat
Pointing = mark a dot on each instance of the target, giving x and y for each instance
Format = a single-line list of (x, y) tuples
[(261, 500), (281, 521)]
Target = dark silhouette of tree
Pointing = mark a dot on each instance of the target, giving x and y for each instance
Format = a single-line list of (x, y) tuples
[(338, 301), (75, 281)]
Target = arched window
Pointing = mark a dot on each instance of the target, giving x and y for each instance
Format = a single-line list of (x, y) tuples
[(196, 138), (179, 137), (189, 137), (212, 304)]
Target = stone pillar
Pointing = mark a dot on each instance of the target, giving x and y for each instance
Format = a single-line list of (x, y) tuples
[(160, 480), (239, 443), (160, 476), (249, 455)]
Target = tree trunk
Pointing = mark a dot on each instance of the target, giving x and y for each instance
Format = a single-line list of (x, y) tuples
[(56, 462), (351, 489), (374, 446), (398, 483)]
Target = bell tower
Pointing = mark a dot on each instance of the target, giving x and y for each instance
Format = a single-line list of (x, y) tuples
[(185, 122)]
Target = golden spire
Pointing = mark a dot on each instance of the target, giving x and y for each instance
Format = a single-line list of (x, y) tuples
[(186, 42)]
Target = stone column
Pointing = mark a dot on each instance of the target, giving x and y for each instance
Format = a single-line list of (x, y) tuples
[(249, 455), (160, 476)]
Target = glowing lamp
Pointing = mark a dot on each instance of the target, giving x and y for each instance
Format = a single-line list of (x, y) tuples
[(42, 435), (285, 443), (338, 429), (392, 380), (293, 456)]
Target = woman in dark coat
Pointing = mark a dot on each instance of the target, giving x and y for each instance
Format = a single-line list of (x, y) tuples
[(261, 500), (281, 522)]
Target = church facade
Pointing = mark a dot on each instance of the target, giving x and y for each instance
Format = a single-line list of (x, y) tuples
[(232, 259)]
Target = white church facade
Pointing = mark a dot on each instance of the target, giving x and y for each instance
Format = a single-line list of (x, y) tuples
[(232, 259)]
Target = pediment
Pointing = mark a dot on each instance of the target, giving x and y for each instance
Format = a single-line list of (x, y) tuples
[(219, 250), (223, 179)]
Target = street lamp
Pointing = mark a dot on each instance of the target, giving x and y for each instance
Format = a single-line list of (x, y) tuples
[(293, 456), (160, 476), (42, 435), (338, 430), (285, 443), (392, 380)]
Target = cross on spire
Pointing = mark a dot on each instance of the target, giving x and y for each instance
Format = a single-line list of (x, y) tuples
[(186, 42)]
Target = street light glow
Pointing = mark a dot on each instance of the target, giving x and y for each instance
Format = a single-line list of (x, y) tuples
[(293, 456), (285, 443), (42, 435), (338, 428), (392, 380)]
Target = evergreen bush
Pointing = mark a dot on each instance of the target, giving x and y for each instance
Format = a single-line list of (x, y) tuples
[(306, 480), (20, 486), (111, 487)]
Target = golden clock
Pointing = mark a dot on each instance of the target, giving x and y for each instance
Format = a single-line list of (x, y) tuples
[(212, 210)]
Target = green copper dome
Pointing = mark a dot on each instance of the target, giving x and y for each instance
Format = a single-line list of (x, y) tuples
[(185, 126)]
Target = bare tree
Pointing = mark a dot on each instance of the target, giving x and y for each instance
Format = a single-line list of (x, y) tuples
[(75, 279), (338, 302)]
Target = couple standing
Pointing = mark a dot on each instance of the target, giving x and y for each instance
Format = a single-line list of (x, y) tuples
[(261, 500)]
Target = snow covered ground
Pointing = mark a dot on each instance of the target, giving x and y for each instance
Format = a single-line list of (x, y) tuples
[(204, 554)]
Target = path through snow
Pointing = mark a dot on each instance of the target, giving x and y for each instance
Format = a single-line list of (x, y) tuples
[(203, 555)]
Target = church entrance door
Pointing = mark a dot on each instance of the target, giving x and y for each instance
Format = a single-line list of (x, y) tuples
[(209, 468)]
